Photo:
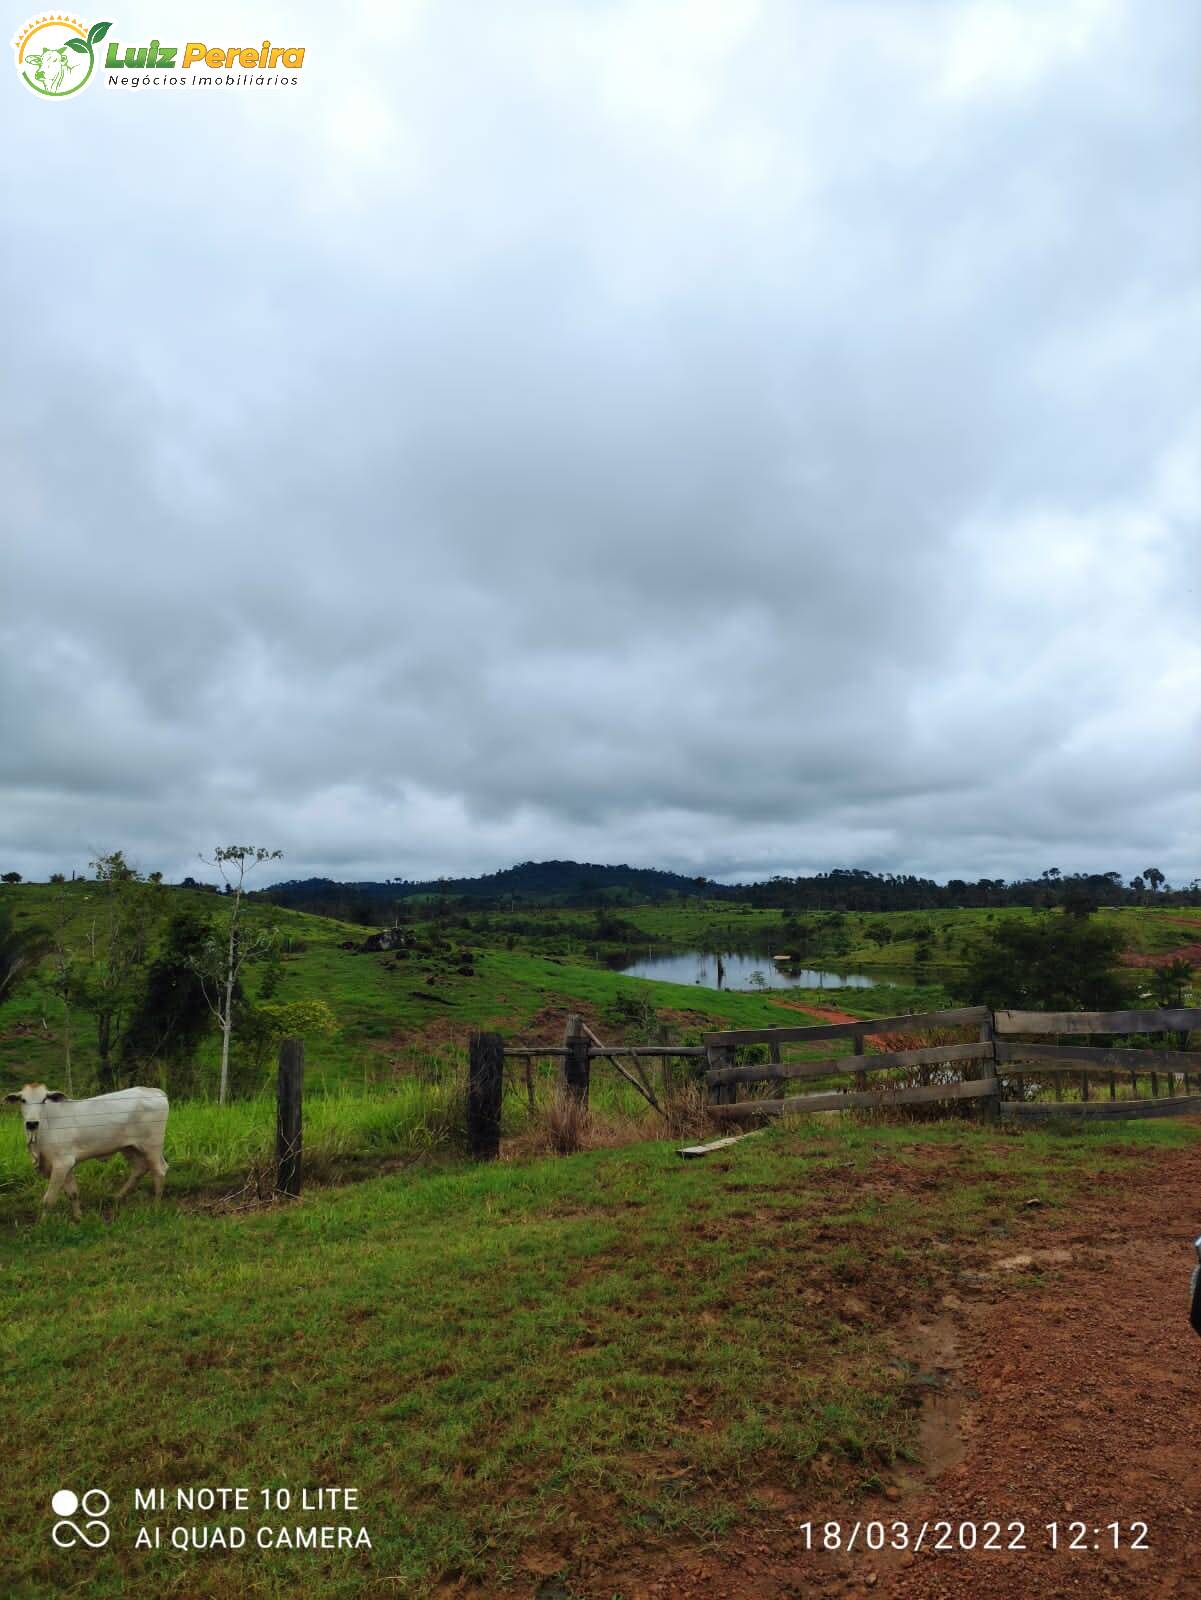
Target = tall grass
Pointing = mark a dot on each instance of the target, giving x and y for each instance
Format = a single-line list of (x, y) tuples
[(210, 1146)]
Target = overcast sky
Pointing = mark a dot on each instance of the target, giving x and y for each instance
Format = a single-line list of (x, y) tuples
[(740, 437)]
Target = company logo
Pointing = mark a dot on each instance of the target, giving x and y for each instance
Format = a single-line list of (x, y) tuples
[(94, 1505), (56, 54)]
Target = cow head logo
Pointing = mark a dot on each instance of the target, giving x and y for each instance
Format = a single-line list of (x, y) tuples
[(56, 54)]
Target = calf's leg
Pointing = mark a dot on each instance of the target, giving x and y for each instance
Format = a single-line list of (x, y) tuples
[(72, 1189), (159, 1168), (58, 1180), (137, 1166)]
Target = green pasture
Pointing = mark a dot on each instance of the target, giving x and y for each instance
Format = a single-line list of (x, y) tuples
[(546, 1361)]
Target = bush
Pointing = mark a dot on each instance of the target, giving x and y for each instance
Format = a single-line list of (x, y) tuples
[(636, 1017), (259, 1029), (1060, 963)]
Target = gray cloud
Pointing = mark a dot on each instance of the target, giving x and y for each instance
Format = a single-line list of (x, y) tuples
[(751, 437)]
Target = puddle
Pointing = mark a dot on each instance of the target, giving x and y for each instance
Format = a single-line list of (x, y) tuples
[(933, 1365), (1036, 1259)]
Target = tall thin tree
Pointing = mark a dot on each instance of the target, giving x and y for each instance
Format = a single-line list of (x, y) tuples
[(234, 862)]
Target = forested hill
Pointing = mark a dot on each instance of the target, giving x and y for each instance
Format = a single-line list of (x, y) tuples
[(531, 882), (577, 883)]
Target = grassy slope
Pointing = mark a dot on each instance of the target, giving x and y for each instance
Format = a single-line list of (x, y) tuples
[(547, 1358)]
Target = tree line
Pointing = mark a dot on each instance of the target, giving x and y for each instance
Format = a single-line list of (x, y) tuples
[(849, 889), (153, 982)]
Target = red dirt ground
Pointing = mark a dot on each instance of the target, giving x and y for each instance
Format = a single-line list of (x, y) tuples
[(1070, 1393), (1184, 952), (823, 1013)]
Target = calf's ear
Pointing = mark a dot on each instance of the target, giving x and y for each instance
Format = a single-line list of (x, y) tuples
[(11, 1099), (55, 1094)]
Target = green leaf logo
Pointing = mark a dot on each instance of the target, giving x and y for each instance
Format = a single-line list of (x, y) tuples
[(77, 44), (97, 31)]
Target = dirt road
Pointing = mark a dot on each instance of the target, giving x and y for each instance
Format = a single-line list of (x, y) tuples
[(1065, 1391)]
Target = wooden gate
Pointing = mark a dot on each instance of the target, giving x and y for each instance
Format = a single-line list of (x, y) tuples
[(1008, 1047)]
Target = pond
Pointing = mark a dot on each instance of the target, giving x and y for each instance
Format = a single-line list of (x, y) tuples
[(734, 970)]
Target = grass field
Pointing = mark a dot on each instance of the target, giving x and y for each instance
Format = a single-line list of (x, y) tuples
[(517, 1366)]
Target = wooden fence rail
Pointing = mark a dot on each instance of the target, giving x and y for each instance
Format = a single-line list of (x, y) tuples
[(1182, 1020), (1075, 1057), (846, 1099), (1184, 1105), (997, 1056), (961, 1017), (533, 1051), (770, 1072)]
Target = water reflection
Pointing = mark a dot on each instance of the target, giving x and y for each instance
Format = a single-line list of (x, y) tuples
[(729, 969)]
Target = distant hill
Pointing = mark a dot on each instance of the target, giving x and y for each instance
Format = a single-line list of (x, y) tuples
[(584, 883), (567, 883)]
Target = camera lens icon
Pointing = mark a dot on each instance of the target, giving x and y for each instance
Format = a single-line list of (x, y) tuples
[(94, 1504)]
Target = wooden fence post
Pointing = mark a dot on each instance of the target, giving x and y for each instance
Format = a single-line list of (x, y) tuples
[(289, 1117), (990, 1105), (485, 1085), (577, 1070), (718, 1057), (860, 1049)]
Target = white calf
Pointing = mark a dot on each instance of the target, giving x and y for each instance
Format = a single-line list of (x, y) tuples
[(61, 1132)]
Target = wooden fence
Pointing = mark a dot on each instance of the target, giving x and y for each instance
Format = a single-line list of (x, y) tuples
[(1009, 1047), (1018, 1054)]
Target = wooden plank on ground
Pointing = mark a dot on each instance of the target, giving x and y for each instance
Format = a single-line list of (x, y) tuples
[(769, 1072), (855, 1099), (1166, 1021), (962, 1017), (690, 1151), (1091, 1058)]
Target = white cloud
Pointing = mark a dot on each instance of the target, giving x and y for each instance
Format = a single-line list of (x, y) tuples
[(1009, 46)]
